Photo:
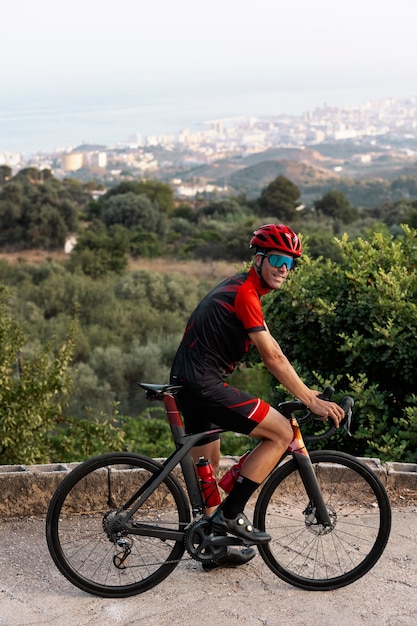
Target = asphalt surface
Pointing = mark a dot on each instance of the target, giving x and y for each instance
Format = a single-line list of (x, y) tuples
[(34, 593)]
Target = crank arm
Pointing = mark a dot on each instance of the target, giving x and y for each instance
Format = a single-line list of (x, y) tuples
[(226, 540)]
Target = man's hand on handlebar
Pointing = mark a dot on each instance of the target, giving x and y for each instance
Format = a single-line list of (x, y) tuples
[(319, 409), (327, 409)]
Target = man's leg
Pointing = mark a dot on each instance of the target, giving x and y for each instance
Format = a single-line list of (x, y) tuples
[(209, 451), (233, 556), (276, 434)]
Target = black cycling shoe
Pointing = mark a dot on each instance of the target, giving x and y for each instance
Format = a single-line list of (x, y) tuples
[(240, 526), (232, 558)]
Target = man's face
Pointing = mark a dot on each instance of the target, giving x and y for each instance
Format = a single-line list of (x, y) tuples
[(275, 268)]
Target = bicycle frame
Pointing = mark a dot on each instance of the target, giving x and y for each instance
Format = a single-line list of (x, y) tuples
[(299, 452), (182, 456)]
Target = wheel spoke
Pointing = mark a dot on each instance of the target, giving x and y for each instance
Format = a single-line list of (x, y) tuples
[(307, 554)]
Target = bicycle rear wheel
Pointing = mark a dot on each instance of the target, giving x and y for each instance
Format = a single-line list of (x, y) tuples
[(87, 539), (308, 555)]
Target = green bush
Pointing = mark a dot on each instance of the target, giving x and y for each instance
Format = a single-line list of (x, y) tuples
[(33, 391), (355, 323), (76, 439)]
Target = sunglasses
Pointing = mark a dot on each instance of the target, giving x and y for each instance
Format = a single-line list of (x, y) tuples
[(278, 260)]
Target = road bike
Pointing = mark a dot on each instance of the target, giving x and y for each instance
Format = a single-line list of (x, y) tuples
[(120, 523)]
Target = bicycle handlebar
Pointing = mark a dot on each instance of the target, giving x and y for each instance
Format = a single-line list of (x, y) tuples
[(290, 407)]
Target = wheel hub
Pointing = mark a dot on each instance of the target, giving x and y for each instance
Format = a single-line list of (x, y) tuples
[(316, 527), (113, 525)]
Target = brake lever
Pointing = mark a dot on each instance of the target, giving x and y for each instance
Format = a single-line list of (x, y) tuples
[(347, 404), (327, 393)]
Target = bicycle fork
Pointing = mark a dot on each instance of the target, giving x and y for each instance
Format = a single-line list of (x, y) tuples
[(317, 507)]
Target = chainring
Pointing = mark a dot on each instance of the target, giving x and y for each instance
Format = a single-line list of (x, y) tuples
[(198, 544)]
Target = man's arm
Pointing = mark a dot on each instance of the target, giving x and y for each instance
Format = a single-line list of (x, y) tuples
[(280, 367)]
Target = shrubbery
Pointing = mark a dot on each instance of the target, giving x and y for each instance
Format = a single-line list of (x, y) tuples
[(353, 324), (33, 392), (347, 318), (350, 324)]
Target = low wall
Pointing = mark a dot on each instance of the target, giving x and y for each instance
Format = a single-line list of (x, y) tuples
[(25, 490)]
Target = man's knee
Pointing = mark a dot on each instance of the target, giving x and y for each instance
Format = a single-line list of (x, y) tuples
[(274, 426), (283, 430)]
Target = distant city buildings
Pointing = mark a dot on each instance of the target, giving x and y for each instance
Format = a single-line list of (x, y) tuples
[(390, 125), (74, 161)]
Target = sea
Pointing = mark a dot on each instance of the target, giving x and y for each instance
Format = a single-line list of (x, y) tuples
[(36, 123)]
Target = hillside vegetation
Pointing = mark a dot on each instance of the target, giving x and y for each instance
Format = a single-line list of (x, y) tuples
[(88, 326)]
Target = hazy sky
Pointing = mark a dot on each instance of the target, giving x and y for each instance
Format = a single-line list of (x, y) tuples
[(105, 51), (101, 41)]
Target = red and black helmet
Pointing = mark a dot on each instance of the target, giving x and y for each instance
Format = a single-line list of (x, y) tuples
[(276, 237)]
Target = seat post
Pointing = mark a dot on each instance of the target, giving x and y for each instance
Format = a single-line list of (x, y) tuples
[(187, 463), (174, 417)]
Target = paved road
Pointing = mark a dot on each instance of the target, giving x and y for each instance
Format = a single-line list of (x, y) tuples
[(33, 593)]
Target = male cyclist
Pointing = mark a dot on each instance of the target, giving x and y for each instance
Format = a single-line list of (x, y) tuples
[(218, 334)]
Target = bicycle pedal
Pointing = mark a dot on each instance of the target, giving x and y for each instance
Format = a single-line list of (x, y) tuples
[(226, 540)]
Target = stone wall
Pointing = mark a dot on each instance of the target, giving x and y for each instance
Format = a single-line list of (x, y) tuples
[(25, 490)]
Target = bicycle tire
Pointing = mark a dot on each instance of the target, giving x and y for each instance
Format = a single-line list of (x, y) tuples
[(78, 513), (316, 558)]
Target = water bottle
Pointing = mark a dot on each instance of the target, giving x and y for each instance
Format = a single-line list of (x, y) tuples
[(228, 480), (207, 482)]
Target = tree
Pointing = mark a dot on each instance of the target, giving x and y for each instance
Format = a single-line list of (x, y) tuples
[(335, 204), (28, 174), (47, 228), (404, 186), (100, 250), (145, 244), (130, 210), (36, 210), (395, 213), (5, 174), (11, 212), (279, 199), (229, 209), (158, 193)]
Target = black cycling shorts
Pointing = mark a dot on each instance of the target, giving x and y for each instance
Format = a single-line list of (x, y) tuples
[(220, 406)]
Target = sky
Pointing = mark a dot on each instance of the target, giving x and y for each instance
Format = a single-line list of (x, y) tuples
[(272, 56)]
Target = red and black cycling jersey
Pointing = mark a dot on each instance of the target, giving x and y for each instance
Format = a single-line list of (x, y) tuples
[(216, 337)]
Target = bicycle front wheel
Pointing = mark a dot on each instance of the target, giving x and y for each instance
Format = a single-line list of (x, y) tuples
[(307, 554), (87, 539)]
